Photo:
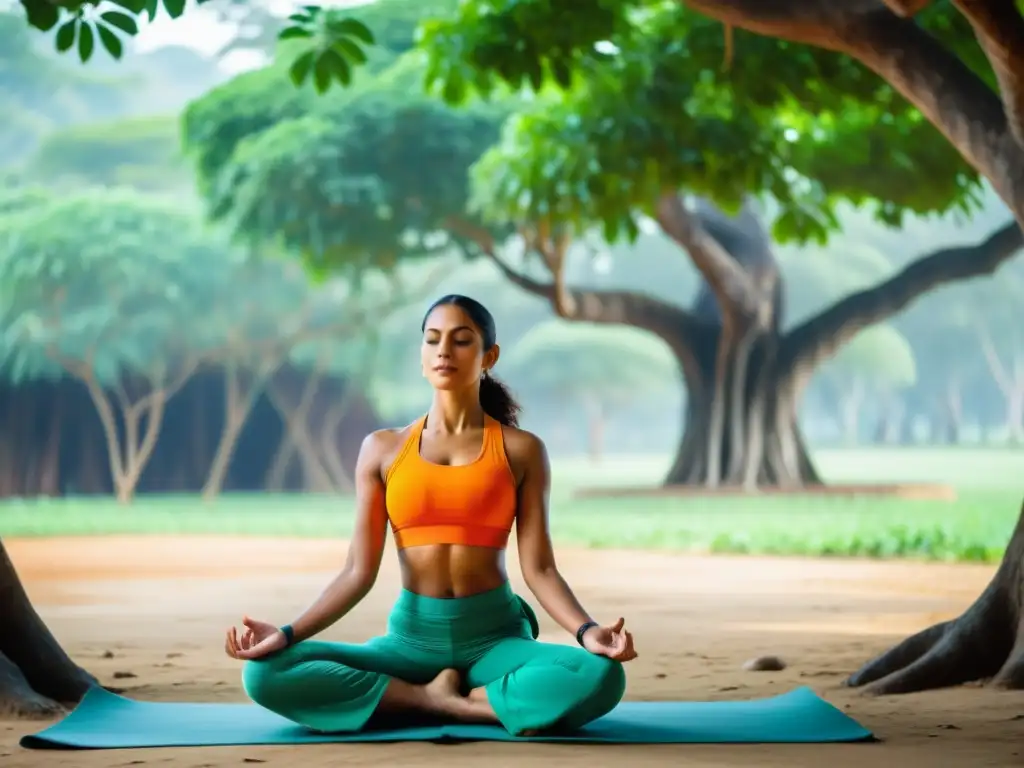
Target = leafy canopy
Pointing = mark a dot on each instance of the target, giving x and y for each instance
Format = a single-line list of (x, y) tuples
[(104, 277), (634, 99), (355, 180)]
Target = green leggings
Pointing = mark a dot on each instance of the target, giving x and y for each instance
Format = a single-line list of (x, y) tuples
[(489, 637)]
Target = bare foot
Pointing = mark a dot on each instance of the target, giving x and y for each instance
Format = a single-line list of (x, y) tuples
[(443, 693)]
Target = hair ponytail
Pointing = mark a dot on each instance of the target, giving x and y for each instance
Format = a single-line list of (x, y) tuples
[(498, 402)]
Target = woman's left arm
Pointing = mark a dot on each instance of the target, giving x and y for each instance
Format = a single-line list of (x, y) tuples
[(537, 559)]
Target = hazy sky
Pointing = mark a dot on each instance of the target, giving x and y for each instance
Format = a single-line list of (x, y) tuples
[(199, 29)]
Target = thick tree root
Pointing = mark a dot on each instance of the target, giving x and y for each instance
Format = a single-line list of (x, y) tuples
[(19, 700), (986, 643), (37, 677)]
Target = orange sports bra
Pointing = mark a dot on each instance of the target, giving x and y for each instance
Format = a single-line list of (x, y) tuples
[(473, 504)]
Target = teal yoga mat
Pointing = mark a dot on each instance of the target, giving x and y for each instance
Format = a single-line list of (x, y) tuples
[(104, 720)]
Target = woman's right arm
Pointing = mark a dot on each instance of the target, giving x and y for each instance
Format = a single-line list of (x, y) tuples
[(365, 549)]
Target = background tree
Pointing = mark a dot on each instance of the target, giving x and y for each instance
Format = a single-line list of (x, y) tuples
[(143, 153), (873, 368), (110, 287), (997, 326), (597, 369), (357, 181)]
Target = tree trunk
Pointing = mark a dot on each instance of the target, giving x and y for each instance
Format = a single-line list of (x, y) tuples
[(333, 462), (891, 419), (952, 412), (239, 398), (985, 643), (37, 678), (297, 434), (128, 457), (850, 403), (759, 440), (594, 409), (49, 470)]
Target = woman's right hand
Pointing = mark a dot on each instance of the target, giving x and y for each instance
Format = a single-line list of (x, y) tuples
[(258, 639)]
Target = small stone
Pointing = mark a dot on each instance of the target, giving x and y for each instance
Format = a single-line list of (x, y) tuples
[(108, 654), (124, 675), (764, 664)]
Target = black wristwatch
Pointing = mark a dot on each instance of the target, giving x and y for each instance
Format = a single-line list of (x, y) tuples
[(289, 634), (583, 629)]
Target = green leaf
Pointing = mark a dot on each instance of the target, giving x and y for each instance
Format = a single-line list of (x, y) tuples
[(121, 21), (322, 72), (152, 8), (350, 51), (339, 67), (294, 33), (134, 6), (66, 35), (454, 90), (110, 41), (41, 14), (562, 72), (299, 70), (353, 28), (86, 41), (174, 8)]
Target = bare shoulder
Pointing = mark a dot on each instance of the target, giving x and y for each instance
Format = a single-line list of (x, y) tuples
[(382, 446), (524, 449)]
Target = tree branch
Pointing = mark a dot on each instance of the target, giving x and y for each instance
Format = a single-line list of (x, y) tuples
[(999, 27), (553, 248), (931, 77), (907, 8), (674, 325), (820, 337), (726, 278)]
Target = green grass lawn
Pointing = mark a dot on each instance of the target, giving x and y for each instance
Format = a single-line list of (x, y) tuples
[(975, 527)]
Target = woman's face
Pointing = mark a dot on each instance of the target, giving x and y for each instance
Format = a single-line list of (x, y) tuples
[(453, 354)]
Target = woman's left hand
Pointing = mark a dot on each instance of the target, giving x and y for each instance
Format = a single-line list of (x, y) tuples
[(613, 641)]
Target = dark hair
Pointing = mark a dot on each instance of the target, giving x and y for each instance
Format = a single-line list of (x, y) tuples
[(495, 397)]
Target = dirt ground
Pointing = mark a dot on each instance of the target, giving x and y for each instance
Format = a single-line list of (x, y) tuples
[(161, 605)]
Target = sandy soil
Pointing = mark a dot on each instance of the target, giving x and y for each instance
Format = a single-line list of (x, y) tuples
[(160, 605)]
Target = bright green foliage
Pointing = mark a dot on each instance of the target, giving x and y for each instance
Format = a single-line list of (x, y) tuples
[(106, 280), (333, 42), (214, 125), (354, 181), (652, 106)]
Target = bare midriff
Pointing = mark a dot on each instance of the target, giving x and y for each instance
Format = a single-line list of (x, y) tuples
[(451, 570)]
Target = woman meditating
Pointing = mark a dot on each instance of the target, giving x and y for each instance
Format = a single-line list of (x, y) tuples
[(460, 644)]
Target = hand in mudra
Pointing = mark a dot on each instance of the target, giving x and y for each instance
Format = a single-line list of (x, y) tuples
[(611, 641), (258, 639)]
